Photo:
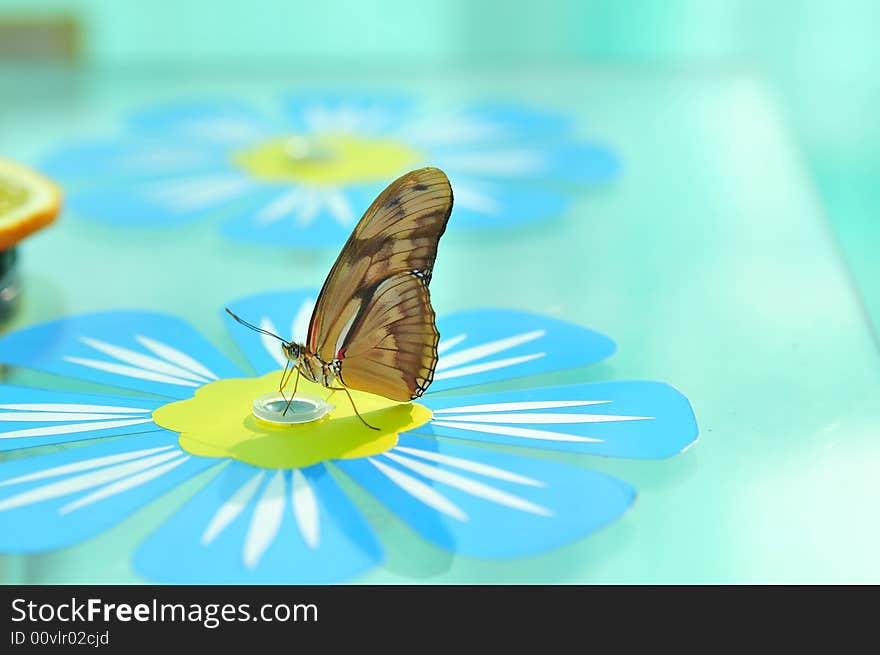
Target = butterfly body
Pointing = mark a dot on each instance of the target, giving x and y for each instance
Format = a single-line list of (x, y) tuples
[(373, 327), (311, 366)]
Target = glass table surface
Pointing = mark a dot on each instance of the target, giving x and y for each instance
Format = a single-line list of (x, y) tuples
[(709, 261)]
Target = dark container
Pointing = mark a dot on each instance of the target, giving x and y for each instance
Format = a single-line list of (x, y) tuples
[(9, 283)]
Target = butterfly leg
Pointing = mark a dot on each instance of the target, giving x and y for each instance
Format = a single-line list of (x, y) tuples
[(285, 378), (353, 406), (293, 395)]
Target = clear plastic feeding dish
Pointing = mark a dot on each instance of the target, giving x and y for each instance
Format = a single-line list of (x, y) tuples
[(304, 408)]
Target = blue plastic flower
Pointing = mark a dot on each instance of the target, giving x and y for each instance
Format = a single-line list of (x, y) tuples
[(302, 178), (260, 520)]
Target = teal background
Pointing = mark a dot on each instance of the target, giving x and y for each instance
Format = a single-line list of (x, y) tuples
[(818, 56), (734, 258)]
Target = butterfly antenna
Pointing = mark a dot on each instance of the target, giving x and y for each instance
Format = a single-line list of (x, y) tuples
[(254, 327)]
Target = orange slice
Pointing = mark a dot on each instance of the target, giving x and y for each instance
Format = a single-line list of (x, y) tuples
[(28, 202)]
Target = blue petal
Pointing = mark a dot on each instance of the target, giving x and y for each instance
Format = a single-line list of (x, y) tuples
[(479, 204), (481, 346), (487, 504), (213, 121), (160, 354), (44, 506), (265, 533), (491, 205), (666, 428), (573, 163), (323, 229), (339, 112), (35, 417), (581, 163), (164, 201), (278, 311), (130, 159)]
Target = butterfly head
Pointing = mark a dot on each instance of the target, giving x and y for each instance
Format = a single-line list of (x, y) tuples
[(293, 352)]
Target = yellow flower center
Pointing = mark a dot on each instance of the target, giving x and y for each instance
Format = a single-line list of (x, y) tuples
[(327, 159), (218, 422)]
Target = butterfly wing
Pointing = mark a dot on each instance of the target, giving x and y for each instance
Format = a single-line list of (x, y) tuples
[(374, 311), (393, 350)]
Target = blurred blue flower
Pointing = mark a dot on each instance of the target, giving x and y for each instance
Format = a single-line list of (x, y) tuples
[(304, 176), (258, 521)]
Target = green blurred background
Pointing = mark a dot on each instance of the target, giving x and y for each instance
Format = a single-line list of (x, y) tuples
[(710, 261), (820, 56)]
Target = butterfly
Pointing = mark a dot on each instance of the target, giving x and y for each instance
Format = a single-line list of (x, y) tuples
[(373, 328)]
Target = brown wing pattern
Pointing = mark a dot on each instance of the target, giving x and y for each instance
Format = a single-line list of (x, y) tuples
[(374, 311), (392, 350)]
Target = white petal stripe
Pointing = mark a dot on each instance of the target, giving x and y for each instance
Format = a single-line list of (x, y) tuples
[(230, 510), (452, 129), (472, 487), (141, 361), (484, 350), (177, 357), (195, 193), (486, 366), (272, 346), (420, 491), (265, 522), (478, 201), (72, 428), (207, 195), (85, 465), (182, 188), (451, 342), (84, 481), (545, 418), (54, 417), (511, 431), (276, 210), (468, 465), (130, 371), (69, 407), (340, 208), (515, 406), (305, 509), (123, 485), (311, 206), (299, 330), (501, 162)]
